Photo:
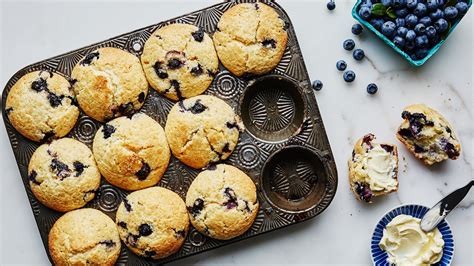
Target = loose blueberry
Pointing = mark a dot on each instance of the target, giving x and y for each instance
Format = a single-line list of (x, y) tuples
[(411, 20), (198, 35), (377, 23), (412, 3), (411, 35), (348, 44), (425, 21), (399, 41), (450, 12), (401, 13), (421, 53), (341, 65), (349, 76), (108, 130), (431, 32), (420, 29), (358, 54), (420, 10), (144, 171), (400, 22), (402, 31), (372, 88), (399, 3), (357, 29), (441, 25), (432, 4), (462, 8), (388, 28), (317, 85), (365, 12), (437, 14), (421, 41), (331, 5), (387, 3), (145, 230)]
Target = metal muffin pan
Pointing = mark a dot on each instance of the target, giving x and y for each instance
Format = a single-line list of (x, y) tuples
[(284, 148)]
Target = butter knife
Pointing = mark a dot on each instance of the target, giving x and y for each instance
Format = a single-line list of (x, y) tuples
[(439, 211)]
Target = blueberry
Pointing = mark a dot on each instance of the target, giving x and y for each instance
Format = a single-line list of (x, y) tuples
[(409, 45), (317, 85), (442, 3), (160, 72), (402, 31), (387, 3), (78, 167), (420, 10), (431, 32), (388, 28), (89, 58), (450, 12), (420, 29), (411, 20), (198, 107), (348, 44), (412, 3), (372, 88), (434, 40), (437, 14), (441, 25), (421, 41), (349, 76), (331, 5), (399, 41), (400, 22), (198, 35), (269, 43), (341, 65), (377, 23), (174, 63), (357, 29), (144, 171), (358, 54), (462, 8), (145, 230), (432, 4), (229, 193), (421, 53), (197, 207), (365, 12), (108, 130), (399, 3), (401, 13), (411, 35)]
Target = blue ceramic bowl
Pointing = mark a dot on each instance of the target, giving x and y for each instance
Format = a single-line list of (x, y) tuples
[(420, 62), (379, 256)]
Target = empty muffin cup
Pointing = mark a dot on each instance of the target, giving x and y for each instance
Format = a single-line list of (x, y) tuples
[(294, 179), (272, 108)]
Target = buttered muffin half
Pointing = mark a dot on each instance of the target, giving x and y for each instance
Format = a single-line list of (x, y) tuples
[(373, 168)]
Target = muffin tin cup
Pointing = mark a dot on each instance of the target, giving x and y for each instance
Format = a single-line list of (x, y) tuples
[(417, 63), (296, 133)]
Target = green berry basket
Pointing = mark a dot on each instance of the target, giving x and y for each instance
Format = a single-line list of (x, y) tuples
[(431, 52)]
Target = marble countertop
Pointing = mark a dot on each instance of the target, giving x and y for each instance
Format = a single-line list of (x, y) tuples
[(341, 234)]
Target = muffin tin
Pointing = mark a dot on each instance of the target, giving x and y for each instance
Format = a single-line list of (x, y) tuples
[(284, 147)]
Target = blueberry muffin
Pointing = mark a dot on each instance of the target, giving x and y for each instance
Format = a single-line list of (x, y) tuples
[(250, 39), (179, 61), (428, 135), (373, 168), (202, 130), (41, 106), (108, 83), (222, 202), (132, 153), (63, 175), (153, 222), (84, 237)]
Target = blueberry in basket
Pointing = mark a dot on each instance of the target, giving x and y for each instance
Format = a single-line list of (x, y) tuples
[(414, 26)]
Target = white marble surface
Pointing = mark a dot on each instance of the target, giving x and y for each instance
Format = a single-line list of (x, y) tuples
[(32, 31)]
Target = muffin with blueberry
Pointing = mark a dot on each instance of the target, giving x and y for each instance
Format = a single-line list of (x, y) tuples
[(222, 202), (201, 130), (41, 106), (153, 222), (250, 39), (132, 153), (84, 237), (63, 175), (373, 168), (179, 61), (428, 135), (108, 83)]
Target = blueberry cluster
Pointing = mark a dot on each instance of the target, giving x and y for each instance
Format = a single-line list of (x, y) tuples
[(415, 26)]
